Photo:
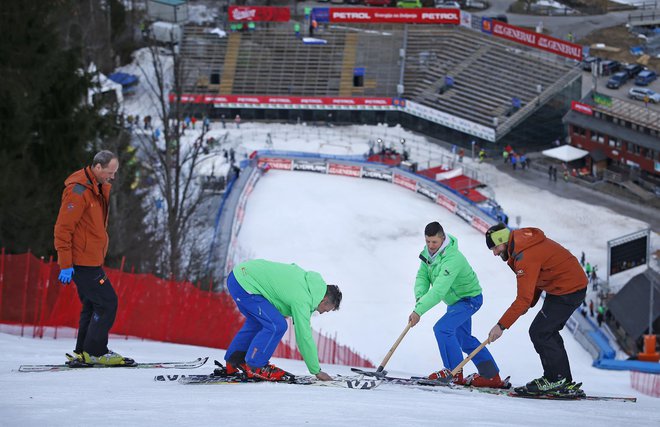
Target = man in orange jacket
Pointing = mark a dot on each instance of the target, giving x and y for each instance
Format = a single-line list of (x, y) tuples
[(81, 242), (541, 264)]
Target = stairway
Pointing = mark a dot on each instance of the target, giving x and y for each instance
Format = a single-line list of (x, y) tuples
[(229, 66), (348, 65)]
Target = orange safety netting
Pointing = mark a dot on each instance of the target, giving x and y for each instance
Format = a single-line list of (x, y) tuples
[(149, 307)]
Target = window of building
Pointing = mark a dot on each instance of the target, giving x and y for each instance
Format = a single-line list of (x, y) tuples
[(614, 142), (577, 130), (598, 137)]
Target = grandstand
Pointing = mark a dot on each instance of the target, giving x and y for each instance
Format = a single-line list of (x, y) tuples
[(400, 61)]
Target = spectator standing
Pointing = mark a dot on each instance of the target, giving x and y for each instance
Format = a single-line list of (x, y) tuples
[(222, 120), (237, 120)]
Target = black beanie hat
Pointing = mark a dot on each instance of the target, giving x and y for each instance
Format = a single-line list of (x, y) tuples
[(496, 235)]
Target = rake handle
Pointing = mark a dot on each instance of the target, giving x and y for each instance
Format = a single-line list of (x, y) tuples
[(389, 353)]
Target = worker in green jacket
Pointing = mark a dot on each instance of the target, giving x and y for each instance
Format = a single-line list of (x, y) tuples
[(445, 275), (266, 292)]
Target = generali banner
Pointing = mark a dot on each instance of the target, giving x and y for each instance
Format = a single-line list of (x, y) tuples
[(395, 15), (582, 108), (259, 13), (281, 100), (530, 38)]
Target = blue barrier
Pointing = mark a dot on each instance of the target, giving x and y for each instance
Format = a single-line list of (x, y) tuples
[(600, 340), (628, 365)]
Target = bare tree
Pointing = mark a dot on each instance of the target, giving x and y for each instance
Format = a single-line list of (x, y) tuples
[(174, 159)]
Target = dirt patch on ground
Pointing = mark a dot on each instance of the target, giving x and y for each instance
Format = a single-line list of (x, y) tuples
[(617, 37)]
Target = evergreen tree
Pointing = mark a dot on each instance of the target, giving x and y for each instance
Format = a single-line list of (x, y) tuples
[(45, 126)]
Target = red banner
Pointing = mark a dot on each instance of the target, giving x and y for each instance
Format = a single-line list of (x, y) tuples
[(395, 15), (259, 13), (405, 182), (480, 224), (445, 201), (530, 38), (276, 163), (345, 170), (285, 100), (582, 108)]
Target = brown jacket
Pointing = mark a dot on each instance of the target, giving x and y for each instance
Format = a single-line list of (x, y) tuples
[(80, 230), (540, 265)]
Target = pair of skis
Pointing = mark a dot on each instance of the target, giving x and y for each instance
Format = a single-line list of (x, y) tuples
[(426, 384), (353, 382), (199, 362)]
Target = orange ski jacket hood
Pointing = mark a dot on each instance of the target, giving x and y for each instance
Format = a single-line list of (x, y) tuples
[(80, 229), (540, 264)]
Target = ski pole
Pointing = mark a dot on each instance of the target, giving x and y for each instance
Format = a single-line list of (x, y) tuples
[(389, 353)]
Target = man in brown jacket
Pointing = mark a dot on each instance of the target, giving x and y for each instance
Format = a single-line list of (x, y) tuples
[(81, 242), (541, 264)]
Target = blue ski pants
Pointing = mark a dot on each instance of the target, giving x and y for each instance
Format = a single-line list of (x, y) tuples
[(454, 335), (263, 329)]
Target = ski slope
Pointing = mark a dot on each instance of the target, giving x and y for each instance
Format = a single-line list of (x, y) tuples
[(364, 236)]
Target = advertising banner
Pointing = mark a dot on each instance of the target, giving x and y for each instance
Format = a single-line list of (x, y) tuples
[(450, 120), (367, 15), (275, 163), (464, 213), (530, 38), (376, 173), (582, 108), (405, 182), (427, 191), (284, 101), (448, 203), (480, 224), (310, 166), (259, 14), (345, 170)]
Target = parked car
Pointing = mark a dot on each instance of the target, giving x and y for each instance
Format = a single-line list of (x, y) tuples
[(645, 77), (610, 67), (589, 61), (618, 80), (443, 4), (409, 4), (641, 94), (633, 69)]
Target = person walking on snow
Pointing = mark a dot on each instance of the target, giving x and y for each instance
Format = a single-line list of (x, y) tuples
[(541, 264), (81, 241), (265, 293), (445, 275)]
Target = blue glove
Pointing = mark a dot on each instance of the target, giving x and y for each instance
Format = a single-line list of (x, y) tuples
[(65, 275)]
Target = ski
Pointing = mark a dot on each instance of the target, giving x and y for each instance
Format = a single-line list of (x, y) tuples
[(150, 365), (510, 393), (343, 382)]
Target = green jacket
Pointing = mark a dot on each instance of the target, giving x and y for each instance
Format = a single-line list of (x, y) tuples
[(293, 291), (448, 277)]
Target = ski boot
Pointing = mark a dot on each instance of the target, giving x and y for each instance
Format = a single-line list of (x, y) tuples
[(268, 373), (541, 386), (476, 380), (109, 359), (444, 375)]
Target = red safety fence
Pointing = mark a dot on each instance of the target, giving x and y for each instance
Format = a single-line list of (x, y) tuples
[(646, 383), (149, 307)]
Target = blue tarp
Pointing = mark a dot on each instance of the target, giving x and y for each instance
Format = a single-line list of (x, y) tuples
[(124, 79)]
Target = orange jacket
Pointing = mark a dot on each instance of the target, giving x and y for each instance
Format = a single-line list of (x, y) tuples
[(80, 230), (540, 265)]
